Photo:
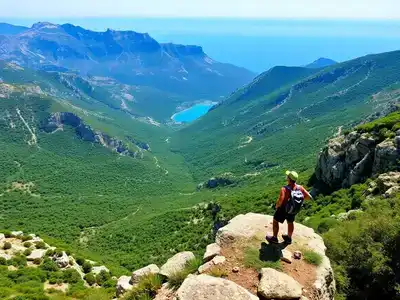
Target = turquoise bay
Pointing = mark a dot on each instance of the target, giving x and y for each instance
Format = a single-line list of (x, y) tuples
[(192, 113)]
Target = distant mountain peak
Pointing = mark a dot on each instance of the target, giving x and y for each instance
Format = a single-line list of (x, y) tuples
[(321, 62), (44, 25)]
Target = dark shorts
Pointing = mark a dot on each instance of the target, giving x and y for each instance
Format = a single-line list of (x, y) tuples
[(281, 215)]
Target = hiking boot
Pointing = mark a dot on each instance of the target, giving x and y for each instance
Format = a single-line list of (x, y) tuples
[(287, 239), (272, 239)]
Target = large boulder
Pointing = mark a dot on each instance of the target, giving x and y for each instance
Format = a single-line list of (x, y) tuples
[(387, 181), (138, 274), (278, 285), (204, 287), (97, 269), (176, 263), (62, 261)]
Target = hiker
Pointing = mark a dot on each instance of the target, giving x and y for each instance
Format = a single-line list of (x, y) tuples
[(288, 205)]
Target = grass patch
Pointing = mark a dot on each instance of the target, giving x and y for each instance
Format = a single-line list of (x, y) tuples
[(254, 258), (146, 289), (176, 279), (218, 272), (312, 257)]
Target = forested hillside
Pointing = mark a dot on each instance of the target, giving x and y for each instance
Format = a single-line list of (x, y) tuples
[(283, 122)]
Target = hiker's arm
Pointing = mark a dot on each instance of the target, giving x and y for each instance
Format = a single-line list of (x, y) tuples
[(307, 195), (280, 199)]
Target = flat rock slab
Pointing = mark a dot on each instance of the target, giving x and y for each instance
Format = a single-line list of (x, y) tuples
[(204, 287), (138, 274), (212, 251), (36, 254), (123, 285), (176, 263), (278, 285)]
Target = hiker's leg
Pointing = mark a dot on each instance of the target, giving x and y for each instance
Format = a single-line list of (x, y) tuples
[(275, 227), (290, 230)]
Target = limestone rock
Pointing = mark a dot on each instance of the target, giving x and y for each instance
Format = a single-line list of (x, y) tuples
[(96, 270), (392, 191), (386, 156), (286, 256), (165, 293), (17, 233), (138, 274), (218, 260), (123, 285), (345, 215), (176, 263), (204, 287), (205, 267), (2, 236), (62, 261), (388, 180), (278, 285), (212, 251), (36, 254)]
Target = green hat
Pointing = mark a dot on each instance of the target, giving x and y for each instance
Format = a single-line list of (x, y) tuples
[(292, 175)]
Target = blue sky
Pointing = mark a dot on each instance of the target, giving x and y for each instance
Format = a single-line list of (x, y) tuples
[(299, 9)]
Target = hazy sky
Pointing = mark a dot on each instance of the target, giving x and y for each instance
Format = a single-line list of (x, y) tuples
[(302, 9)]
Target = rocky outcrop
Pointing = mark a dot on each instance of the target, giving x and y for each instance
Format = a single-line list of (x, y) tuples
[(204, 287), (176, 263), (353, 158), (123, 285), (244, 228), (62, 261), (217, 260), (278, 285), (60, 119), (214, 182)]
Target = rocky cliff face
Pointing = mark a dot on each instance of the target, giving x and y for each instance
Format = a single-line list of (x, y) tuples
[(60, 119), (352, 158)]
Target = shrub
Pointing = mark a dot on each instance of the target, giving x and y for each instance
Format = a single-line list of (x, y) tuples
[(8, 234), (40, 245), (27, 244), (87, 267), (37, 261), (80, 261), (17, 261), (312, 257), (146, 288), (56, 277), (102, 277), (71, 276), (111, 283), (7, 245), (25, 238), (49, 265), (90, 279), (50, 252), (3, 261), (27, 252), (176, 279)]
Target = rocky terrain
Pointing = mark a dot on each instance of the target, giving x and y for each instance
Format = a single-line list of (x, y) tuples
[(354, 157), (227, 273)]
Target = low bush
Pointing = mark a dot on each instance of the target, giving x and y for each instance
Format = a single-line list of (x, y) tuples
[(176, 279), (7, 245), (218, 272), (312, 257), (27, 244), (87, 267), (90, 279), (27, 252), (40, 245), (146, 288)]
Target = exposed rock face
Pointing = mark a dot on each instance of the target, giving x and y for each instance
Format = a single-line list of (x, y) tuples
[(97, 270), (278, 285), (217, 260), (58, 120), (212, 251), (243, 228), (351, 159), (123, 285), (204, 287), (62, 261), (176, 263), (36, 254), (137, 275)]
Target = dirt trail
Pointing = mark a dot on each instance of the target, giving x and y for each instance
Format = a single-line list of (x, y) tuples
[(33, 140)]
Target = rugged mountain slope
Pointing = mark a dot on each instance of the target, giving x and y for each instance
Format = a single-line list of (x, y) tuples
[(8, 29), (286, 124), (128, 56)]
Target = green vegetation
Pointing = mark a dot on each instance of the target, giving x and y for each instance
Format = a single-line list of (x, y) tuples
[(87, 267), (175, 280), (258, 259), (312, 257), (218, 272), (7, 245), (90, 278), (146, 288), (390, 122)]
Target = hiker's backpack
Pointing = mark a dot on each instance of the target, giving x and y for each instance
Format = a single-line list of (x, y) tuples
[(295, 201)]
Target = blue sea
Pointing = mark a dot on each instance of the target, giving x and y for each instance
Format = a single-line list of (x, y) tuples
[(257, 44), (192, 113)]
